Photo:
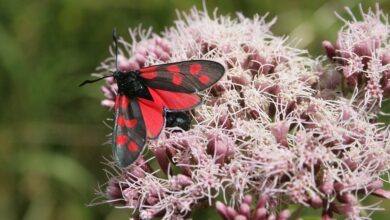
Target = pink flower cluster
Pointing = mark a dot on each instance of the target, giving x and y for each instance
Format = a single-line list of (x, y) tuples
[(265, 133), (361, 53)]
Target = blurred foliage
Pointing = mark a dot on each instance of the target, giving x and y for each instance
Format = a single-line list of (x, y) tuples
[(51, 130)]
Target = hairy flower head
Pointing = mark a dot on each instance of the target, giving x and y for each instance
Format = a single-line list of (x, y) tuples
[(361, 54), (264, 130)]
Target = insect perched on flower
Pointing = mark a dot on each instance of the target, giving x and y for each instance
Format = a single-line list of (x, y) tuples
[(146, 94)]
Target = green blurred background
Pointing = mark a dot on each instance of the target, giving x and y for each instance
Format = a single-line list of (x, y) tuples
[(51, 131)]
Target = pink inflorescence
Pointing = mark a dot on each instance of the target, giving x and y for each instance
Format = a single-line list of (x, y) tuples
[(362, 55), (264, 134)]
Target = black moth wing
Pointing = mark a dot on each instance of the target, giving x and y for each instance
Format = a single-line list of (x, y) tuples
[(185, 77), (129, 134)]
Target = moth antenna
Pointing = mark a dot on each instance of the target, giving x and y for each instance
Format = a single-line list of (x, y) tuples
[(116, 47), (94, 80)]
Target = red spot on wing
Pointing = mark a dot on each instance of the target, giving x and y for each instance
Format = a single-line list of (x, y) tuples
[(120, 121), (152, 113), (173, 68), (195, 69), (148, 75), (148, 69), (132, 147), (177, 79), (121, 139), (174, 100), (204, 79), (131, 123), (124, 102), (117, 101)]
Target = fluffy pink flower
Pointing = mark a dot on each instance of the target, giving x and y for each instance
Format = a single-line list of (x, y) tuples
[(361, 54), (265, 129)]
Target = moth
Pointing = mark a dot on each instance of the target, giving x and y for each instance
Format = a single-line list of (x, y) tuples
[(145, 95)]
